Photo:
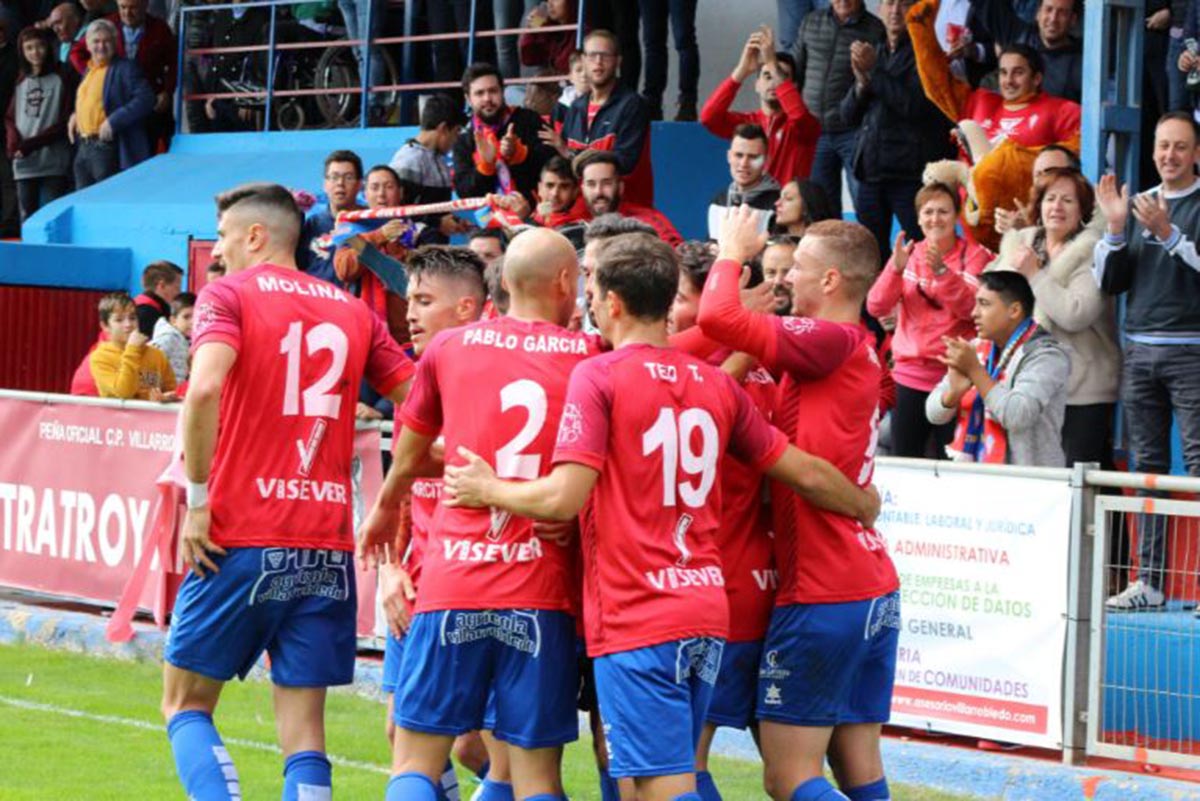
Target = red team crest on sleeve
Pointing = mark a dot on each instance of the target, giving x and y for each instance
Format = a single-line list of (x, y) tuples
[(570, 428)]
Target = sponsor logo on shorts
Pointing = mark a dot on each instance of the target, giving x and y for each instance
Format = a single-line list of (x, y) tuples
[(884, 614), (773, 695), (292, 573), (519, 630), (769, 667), (699, 657)]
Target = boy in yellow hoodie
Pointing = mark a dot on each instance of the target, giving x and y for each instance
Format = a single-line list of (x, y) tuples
[(125, 366)]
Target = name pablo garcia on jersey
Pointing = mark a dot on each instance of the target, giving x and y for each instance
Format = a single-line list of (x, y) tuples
[(530, 343)]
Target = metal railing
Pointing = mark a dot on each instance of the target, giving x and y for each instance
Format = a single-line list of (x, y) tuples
[(369, 46)]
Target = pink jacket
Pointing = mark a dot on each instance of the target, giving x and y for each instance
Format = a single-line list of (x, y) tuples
[(928, 308)]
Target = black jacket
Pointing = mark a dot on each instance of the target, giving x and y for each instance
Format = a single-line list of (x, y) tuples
[(1063, 75), (901, 131), (822, 54), (469, 182), (623, 126)]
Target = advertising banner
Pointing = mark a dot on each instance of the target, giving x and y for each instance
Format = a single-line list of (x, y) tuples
[(983, 563)]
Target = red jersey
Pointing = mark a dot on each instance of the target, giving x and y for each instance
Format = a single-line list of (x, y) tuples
[(497, 388), (652, 568), (1045, 121), (792, 132), (829, 407), (423, 503), (281, 474)]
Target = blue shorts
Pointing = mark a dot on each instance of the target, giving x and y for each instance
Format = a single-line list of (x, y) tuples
[(523, 660), (297, 604), (393, 653), (736, 689), (826, 664), (653, 703)]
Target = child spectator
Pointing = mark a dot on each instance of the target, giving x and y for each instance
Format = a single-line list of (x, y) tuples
[(161, 282), (173, 335), (36, 123), (578, 86), (123, 367)]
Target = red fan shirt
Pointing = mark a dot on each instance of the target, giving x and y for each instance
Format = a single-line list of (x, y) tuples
[(281, 474)]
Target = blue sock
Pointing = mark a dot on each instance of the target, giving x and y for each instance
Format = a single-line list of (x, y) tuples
[(817, 789), (410, 787), (311, 771), (492, 790), (609, 791), (706, 788), (875, 791), (203, 764), (447, 788)]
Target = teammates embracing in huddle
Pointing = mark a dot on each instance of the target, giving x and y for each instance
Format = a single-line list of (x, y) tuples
[(605, 490)]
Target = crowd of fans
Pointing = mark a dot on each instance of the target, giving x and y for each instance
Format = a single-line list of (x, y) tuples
[(998, 322)]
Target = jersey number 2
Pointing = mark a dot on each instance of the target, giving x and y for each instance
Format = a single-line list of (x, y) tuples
[(530, 396), (319, 400)]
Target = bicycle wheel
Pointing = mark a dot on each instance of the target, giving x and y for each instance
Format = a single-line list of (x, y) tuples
[(337, 69)]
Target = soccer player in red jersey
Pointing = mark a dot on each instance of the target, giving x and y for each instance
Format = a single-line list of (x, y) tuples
[(268, 441), (494, 612), (823, 685), (642, 433), (744, 539)]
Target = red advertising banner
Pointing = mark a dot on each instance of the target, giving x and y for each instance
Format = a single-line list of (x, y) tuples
[(78, 500)]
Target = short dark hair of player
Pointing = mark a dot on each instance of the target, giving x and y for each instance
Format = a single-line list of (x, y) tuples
[(557, 165), (1073, 157), (480, 69), (453, 263), (493, 276), (642, 270), (1011, 286), (271, 198), (112, 303), (160, 271), (606, 226), (1032, 57), (490, 233), (184, 300), (1084, 193), (589, 157), (932, 190), (784, 57), (696, 259), (748, 130), (1180, 116), (442, 110), (603, 33), (345, 157), (855, 250)]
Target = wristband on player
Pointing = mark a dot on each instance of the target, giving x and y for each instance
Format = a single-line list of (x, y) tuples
[(197, 494)]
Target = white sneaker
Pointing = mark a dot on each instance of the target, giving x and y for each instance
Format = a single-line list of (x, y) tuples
[(1137, 597)]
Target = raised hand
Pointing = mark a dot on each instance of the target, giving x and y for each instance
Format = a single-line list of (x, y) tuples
[(508, 144), (741, 236), (1150, 209), (1114, 203), (485, 146), (750, 60)]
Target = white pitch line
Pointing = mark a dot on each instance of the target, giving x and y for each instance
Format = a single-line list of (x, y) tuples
[(133, 723)]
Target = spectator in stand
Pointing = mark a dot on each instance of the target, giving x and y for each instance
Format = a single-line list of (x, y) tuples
[(161, 284), (932, 284), (599, 176), (1151, 254), (621, 17), (776, 264), (488, 244), (421, 164), (111, 107), (67, 24), (173, 335), (578, 86), (499, 150), (1051, 157), (824, 72), (541, 97), (148, 41), (383, 190), (343, 180), (96, 9), (682, 16), (790, 14), (791, 130), (609, 117), (1184, 24), (454, 16), (1051, 37), (801, 203), (230, 71), (10, 212), (363, 19), (551, 49), (124, 366), (560, 203), (1021, 111), (1055, 256), (1007, 390), (900, 131), (751, 184), (36, 123)]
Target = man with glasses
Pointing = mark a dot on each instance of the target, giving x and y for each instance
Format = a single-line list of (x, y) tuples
[(343, 180), (609, 117)]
